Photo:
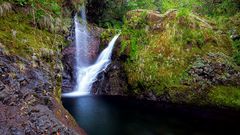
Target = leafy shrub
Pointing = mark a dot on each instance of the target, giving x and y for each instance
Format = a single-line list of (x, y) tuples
[(222, 8), (143, 4), (181, 5), (21, 2), (55, 8)]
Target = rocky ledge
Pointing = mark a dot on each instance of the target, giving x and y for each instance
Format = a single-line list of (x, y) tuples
[(29, 103)]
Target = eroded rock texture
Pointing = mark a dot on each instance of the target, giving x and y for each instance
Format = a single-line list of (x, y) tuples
[(29, 103)]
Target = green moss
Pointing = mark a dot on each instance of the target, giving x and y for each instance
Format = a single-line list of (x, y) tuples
[(134, 34), (58, 93), (58, 88), (161, 63), (182, 5), (225, 96), (236, 55), (21, 39)]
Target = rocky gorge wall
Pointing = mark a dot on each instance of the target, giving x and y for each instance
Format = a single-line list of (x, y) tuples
[(31, 69), (29, 100), (173, 56), (185, 59)]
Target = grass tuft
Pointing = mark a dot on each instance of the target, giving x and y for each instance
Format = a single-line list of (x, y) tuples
[(5, 8)]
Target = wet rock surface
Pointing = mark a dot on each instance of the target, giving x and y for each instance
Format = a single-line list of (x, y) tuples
[(68, 73), (69, 59), (28, 101), (112, 81)]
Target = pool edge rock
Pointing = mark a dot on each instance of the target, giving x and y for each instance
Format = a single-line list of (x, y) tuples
[(29, 98)]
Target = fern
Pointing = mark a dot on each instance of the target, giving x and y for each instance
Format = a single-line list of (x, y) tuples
[(45, 22), (5, 8), (1, 11), (52, 24)]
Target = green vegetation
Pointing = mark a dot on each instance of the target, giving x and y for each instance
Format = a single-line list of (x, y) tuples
[(135, 33), (35, 30), (160, 63), (51, 15), (225, 95), (143, 4), (39, 7), (5, 8), (35, 26), (162, 48), (21, 39), (162, 44), (181, 5), (217, 15), (236, 55)]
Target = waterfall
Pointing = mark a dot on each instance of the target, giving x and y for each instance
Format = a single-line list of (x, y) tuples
[(81, 41), (86, 73)]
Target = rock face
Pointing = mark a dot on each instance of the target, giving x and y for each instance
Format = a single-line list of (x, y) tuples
[(214, 69), (204, 75), (29, 103), (68, 73), (112, 81)]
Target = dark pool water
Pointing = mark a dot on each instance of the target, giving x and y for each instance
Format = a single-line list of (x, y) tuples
[(128, 116)]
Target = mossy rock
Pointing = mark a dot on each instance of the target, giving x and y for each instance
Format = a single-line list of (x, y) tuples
[(228, 96), (175, 43), (20, 38)]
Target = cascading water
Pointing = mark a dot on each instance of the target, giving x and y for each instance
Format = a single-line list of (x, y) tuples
[(81, 41), (86, 73)]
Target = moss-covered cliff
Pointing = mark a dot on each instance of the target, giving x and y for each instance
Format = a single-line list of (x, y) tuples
[(186, 55), (181, 51), (32, 34), (186, 58)]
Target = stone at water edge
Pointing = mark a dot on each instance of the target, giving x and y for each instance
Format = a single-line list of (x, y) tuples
[(28, 103)]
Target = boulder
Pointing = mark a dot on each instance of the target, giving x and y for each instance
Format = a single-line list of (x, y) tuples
[(163, 67)]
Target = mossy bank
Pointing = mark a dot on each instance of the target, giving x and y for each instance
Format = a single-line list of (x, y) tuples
[(32, 34), (181, 55)]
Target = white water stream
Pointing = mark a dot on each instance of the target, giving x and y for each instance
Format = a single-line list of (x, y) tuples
[(87, 73)]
